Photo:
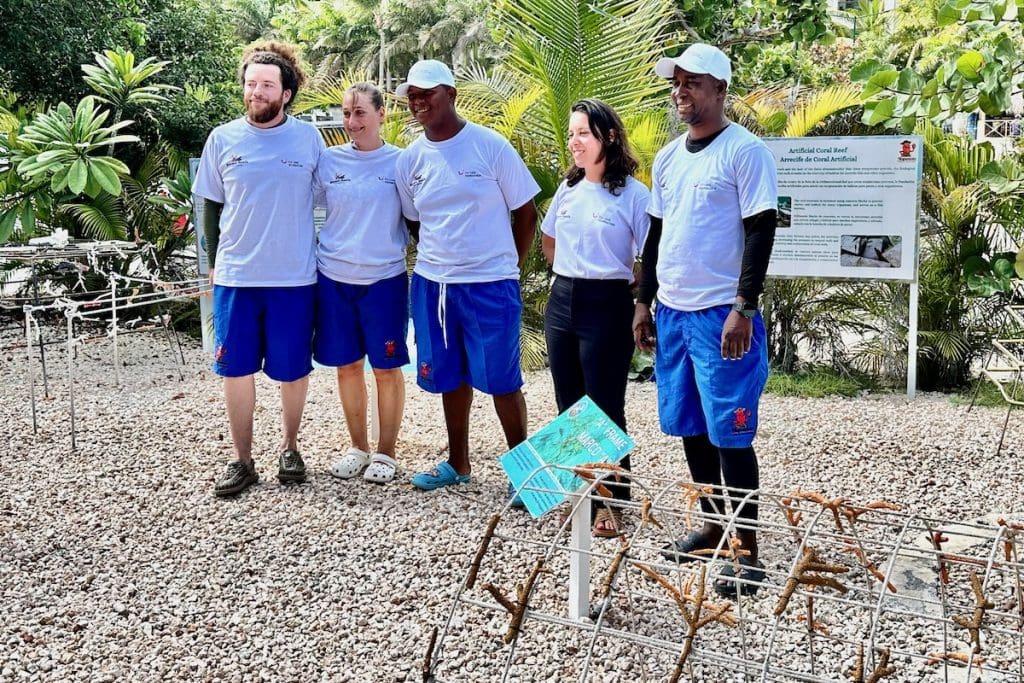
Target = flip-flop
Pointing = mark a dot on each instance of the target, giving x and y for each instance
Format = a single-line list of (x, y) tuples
[(682, 549), (750, 578), (381, 470), (442, 475), (350, 464)]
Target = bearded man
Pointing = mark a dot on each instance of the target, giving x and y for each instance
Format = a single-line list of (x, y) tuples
[(256, 180)]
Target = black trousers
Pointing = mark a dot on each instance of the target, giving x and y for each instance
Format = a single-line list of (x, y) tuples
[(588, 327)]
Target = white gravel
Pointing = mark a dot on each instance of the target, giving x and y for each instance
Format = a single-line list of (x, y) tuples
[(118, 564)]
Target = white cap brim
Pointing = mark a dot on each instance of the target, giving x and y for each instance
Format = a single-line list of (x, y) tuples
[(666, 67), (403, 89)]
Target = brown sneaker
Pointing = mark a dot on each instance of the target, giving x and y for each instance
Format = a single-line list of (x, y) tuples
[(290, 467), (237, 477)]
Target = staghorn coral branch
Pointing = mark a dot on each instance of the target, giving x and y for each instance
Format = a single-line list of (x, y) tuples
[(428, 660), (962, 657), (474, 568), (613, 569), (524, 596), (809, 562), (973, 625), (691, 496), (871, 566), (509, 606), (646, 516)]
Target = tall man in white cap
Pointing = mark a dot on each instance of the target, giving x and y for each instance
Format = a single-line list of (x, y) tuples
[(713, 215), (469, 199)]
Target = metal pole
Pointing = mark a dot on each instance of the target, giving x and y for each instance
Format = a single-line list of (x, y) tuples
[(31, 362), (579, 563), (912, 341), (71, 374), (42, 347), (113, 328)]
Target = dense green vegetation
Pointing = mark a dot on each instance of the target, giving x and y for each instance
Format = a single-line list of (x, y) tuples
[(103, 101)]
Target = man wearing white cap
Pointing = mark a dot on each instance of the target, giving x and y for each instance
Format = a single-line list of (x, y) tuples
[(459, 184), (713, 213)]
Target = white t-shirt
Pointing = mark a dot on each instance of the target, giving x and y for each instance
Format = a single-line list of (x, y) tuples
[(461, 190), (264, 179), (363, 239), (598, 235), (703, 198)]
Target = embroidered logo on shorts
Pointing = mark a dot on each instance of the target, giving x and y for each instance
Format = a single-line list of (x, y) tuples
[(425, 370), (740, 420), (218, 357), (389, 348)]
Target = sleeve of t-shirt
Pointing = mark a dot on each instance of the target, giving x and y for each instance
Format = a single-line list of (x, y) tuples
[(547, 226), (641, 217), (756, 180), (402, 184), (514, 178), (209, 183), (655, 204)]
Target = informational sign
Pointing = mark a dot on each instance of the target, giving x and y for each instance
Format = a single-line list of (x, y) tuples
[(581, 435), (847, 207)]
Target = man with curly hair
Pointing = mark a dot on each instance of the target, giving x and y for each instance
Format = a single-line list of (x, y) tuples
[(256, 181)]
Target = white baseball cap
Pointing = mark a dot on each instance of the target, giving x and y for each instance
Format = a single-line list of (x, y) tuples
[(427, 74), (699, 58)]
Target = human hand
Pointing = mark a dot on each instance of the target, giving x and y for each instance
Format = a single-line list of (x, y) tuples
[(643, 328), (737, 334)]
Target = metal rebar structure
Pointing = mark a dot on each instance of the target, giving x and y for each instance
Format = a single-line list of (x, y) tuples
[(105, 308), (853, 591)]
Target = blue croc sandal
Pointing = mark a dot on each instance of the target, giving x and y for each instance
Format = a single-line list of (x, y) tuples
[(439, 477), (517, 502)]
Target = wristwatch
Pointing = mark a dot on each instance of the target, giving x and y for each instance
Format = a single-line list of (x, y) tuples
[(745, 309)]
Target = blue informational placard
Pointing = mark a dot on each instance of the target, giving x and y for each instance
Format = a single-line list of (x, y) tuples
[(581, 435)]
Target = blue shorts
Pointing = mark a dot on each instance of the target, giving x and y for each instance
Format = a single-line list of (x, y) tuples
[(699, 392), (263, 328), (470, 336), (353, 321)]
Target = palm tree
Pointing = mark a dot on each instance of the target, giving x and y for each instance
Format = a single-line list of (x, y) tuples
[(560, 51)]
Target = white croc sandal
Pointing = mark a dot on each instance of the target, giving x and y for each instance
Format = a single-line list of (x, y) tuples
[(350, 464), (381, 470)]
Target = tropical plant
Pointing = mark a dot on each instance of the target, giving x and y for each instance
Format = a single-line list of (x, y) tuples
[(118, 80), (798, 311), (557, 53)]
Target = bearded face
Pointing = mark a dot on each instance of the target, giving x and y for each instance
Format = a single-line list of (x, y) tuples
[(264, 96)]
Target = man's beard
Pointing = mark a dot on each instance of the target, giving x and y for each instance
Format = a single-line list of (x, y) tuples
[(265, 114)]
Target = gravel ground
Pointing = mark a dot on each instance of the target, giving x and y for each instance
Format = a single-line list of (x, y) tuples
[(118, 564)]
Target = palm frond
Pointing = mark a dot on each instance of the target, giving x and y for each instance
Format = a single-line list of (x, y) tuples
[(101, 218)]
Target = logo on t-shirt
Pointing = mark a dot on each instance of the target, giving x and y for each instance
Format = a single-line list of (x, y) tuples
[(384, 179), (601, 218), (563, 212), (235, 160), (291, 163), (340, 178), (471, 174), (416, 181)]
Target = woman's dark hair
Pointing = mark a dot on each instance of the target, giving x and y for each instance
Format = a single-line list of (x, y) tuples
[(606, 126), (283, 56), (370, 90)]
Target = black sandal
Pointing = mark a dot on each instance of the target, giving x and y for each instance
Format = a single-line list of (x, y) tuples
[(750, 578), (683, 549)]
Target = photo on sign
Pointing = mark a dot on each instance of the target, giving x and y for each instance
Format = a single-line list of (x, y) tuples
[(785, 212), (871, 251)]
